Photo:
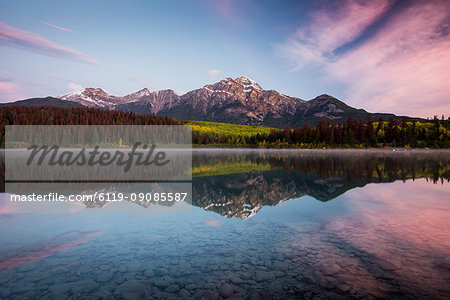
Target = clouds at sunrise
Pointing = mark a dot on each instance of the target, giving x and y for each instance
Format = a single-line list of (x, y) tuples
[(403, 66), (382, 55), (21, 39)]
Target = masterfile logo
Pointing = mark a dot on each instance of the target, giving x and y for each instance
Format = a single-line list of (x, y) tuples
[(97, 156), (94, 166), (96, 153)]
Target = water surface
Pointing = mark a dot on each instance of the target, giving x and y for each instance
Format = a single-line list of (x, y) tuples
[(263, 224)]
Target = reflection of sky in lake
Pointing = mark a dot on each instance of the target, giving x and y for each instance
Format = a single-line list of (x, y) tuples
[(262, 224), (381, 240)]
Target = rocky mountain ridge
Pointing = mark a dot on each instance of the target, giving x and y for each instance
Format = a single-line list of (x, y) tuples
[(237, 101)]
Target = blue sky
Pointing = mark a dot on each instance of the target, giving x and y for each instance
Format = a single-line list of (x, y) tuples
[(381, 56)]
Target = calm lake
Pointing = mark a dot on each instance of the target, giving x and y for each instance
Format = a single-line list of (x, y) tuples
[(262, 225)]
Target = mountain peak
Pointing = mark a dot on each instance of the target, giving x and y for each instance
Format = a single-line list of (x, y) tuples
[(95, 91), (248, 83), (90, 89), (324, 96), (91, 97), (142, 93), (136, 96), (86, 91)]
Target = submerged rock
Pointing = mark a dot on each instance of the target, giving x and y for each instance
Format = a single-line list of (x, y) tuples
[(208, 295), (104, 277), (78, 287), (173, 288), (262, 275), (164, 282), (132, 289), (330, 268), (226, 290)]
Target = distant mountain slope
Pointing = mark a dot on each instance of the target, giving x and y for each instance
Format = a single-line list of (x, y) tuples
[(47, 101), (236, 101), (325, 107)]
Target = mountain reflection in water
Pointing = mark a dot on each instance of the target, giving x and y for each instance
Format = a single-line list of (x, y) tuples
[(221, 183), (238, 183)]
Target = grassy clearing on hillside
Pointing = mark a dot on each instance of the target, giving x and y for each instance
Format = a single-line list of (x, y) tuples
[(228, 129)]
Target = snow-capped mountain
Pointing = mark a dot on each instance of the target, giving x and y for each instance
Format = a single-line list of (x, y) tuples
[(92, 97), (239, 101), (136, 96)]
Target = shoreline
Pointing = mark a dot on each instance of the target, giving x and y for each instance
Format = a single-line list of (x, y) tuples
[(396, 150)]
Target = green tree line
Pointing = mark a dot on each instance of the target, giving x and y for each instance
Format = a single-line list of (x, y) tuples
[(351, 133)]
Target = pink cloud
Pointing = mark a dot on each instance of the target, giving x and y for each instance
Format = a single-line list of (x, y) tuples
[(58, 27), (10, 91), (14, 37), (403, 68), (213, 73), (329, 30)]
